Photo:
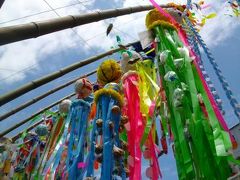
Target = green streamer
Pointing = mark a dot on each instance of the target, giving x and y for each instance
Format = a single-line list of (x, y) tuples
[(200, 143)]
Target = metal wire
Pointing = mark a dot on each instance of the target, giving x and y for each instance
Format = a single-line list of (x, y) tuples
[(43, 12), (75, 32)]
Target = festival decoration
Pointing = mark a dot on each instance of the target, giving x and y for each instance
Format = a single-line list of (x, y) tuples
[(156, 93), (64, 156), (198, 115), (108, 71), (83, 88), (107, 122), (129, 60)]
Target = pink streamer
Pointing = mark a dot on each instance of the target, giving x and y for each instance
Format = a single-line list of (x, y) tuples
[(155, 165), (136, 124), (152, 108), (163, 12), (81, 165)]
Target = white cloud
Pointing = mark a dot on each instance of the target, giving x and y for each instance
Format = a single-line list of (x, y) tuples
[(11, 10), (20, 55), (15, 58)]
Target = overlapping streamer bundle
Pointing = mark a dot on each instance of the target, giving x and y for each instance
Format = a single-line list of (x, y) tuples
[(154, 94)]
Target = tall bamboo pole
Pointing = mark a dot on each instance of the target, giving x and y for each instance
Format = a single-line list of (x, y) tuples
[(1, 3), (35, 29)]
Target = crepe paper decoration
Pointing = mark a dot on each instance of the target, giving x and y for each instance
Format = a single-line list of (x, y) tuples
[(130, 84), (54, 136), (128, 62), (210, 16), (109, 102), (28, 155), (77, 118), (91, 163), (184, 137), (163, 95), (77, 138), (81, 165), (196, 50), (148, 90), (218, 114)]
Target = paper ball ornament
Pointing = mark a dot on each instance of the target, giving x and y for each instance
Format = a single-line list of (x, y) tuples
[(129, 60), (149, 172), (154, 18), (83, 88), (170, 76), (64, 106), (109, 71), (41, 130), (176, 14), (147, 154)]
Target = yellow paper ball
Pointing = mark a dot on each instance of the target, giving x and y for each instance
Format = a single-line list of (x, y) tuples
[(109, 71), (154, 18)]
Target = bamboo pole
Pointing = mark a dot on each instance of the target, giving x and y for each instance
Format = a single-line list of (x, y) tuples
[(34, 125), (38, 98), (35, 29), (1, 3), (32, 116), (44, 80)]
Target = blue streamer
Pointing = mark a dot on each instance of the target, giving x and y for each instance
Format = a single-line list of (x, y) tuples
[(77, 139), (106, 172), (90, 164)]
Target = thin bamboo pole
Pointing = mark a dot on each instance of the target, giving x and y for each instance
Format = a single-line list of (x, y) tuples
[(1, 3), (32, 116), (38, 98), (44, 80), (34, 125), (35, 29)]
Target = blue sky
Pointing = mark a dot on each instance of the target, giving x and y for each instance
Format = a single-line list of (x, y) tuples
[(25, 61)]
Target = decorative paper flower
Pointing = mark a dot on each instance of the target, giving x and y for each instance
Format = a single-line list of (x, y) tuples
[(83, 88), (65, 105)]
